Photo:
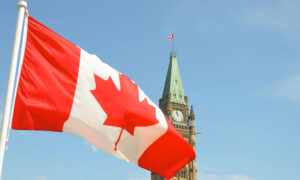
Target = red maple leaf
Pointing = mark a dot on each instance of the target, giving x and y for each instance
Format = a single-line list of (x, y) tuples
[(122, 106)]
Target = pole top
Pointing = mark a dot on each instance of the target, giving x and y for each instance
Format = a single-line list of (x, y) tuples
[(22, 4)]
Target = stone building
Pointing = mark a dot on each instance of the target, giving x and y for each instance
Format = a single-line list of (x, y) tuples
[(174, 104)]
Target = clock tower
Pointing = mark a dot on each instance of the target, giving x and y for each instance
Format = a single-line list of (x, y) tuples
[(174, 104)]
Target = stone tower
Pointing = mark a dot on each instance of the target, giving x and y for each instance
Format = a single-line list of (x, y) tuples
[(174, 104)]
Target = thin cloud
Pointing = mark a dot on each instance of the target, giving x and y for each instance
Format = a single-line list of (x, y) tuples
[(288, 88), (94, 148), (281, 14)]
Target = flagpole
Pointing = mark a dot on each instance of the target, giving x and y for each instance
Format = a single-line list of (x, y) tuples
[(173, 42), (22, 5)]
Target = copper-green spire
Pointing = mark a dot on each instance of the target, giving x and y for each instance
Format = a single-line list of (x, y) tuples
[(173, 84)]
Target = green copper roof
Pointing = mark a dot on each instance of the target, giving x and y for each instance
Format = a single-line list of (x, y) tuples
[(173, 83)]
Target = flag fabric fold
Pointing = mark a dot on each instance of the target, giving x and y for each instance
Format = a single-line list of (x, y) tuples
[(63, 88)]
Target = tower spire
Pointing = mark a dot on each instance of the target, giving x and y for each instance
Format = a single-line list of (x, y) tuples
[(173, 89)]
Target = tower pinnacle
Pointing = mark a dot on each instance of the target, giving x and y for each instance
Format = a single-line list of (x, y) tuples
[(173, 83)]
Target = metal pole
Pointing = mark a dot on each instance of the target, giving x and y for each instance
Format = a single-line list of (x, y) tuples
[(173, 42), (22, 5)]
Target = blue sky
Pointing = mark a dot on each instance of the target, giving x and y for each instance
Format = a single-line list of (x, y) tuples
[(240, 66)]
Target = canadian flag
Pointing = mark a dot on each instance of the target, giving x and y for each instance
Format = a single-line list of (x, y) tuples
[(171, 37), (65, 89)]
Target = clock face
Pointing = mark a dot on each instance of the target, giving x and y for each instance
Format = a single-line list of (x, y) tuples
[(177, 115)]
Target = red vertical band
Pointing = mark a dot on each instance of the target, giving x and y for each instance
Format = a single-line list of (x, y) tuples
[(47, 81), (167, 155)]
